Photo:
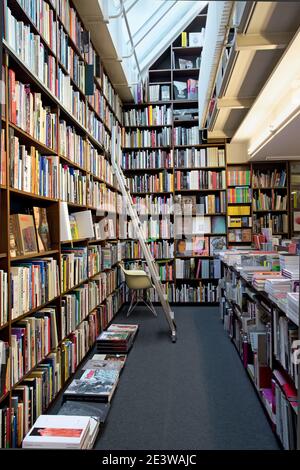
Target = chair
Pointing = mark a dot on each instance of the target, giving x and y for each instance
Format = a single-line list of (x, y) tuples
[(138, 281)]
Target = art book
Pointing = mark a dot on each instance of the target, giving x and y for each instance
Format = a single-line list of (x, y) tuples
[(42, 228), (200, 246), (92, 390), (217, 244), (107, 376), (24, 233), (58, 432)]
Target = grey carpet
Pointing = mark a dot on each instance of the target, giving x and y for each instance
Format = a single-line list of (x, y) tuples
[(190, 395)]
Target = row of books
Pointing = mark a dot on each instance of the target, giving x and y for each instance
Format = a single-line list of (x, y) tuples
[(159, 249), (241, 194), (203, 292), (42, 16), (70, 98), (32, 284), (3, 158), (239, 222), (74, 309), (193, 157), (27, 111), (159, 92), (200, 179), (239, 211), (32, 172), (148, 116), (185, 90), (32, 397), (74, 266), (32, 339), (198, 225), (3, 297), (100, 196), (285, 333), (97, 129), (147, 138), (4, 368), (199, 204), (72, 145), (239, 178), (194, 268), (99, 104), (186, 135), (98, 165), (269, 178), (278, 223), (262, 201), (101, 286), (153, 205), (72, 63), (30, 50), (145, 159), (161, 182)]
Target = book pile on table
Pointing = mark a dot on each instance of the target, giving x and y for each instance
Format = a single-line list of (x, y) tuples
[(277, 288), (259, 279), (62, 432), (289, 265), (248, 271), (118, 338), (292, 311)]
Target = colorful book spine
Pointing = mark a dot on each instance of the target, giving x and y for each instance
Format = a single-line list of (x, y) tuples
[(145, 159), (193, 157), (149, 116), (161, 182), (72, 185), (74, 309), (74, 267), (33, 283), (32, 172), (72, 145), (186, 136), (3, 158), (198, 179), (147, 138), (204, 292)]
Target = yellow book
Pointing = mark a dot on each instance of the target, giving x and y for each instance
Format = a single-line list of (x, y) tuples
[(184, 39), (238, 210), (234, 222)]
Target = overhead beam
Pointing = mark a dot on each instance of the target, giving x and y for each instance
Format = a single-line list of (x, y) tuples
[(235, 103), (262, 41)]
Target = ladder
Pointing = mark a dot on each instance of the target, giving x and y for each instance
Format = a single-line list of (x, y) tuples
[(152, 266)]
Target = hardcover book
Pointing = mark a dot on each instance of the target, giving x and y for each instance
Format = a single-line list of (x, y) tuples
[(24, 233), (91, 390), (42, 228)]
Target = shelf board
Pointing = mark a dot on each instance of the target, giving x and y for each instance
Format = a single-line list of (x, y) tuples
[(31, 195), (74, 287), (192, 71), (5, 325), (3, 255), (186, 101), (78, 240), (71, 163), (239, 203), (182, 122), (32, 140), (75, 204), (150, 192), (3, 397), (35, 255), (200, 279), (159, 70), (190, 49), (193, 256)]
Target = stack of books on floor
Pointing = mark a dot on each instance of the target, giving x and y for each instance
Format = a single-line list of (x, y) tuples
[(117, 339), (62, 432)]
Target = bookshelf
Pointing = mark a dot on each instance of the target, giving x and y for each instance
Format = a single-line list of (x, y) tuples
[(55, 146), (248, 312), (183, 171)]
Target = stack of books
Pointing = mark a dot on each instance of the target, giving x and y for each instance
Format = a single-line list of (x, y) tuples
[(62, 432), (117, 339), (259, 279), (289, 265), (97, 385), (292, 311)]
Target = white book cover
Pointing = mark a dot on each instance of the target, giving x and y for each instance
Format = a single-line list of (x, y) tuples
[(84, 223), (58, 431), (65, 228)]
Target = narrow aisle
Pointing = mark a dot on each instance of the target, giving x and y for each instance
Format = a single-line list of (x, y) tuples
[(190, 395)]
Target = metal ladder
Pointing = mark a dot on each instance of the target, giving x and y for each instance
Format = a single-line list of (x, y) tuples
[(152, 266)]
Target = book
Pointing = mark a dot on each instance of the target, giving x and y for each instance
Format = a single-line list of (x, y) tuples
[(184, 39), (98, 411), (196, 39), (24, 233), (103, 374), (90, 390), (58, 432), (217, 244), (200, 246), (42, 228)]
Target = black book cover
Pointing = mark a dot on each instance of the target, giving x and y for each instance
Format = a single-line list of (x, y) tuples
[(89, 80)]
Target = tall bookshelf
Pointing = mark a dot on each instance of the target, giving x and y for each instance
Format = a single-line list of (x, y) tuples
[(180, 151), (84, 121)]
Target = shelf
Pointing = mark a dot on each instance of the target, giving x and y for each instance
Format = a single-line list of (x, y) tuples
[(32, 195), (189, 49), (3, 397), (5, 325), (200, 279), (270, 187), (77, 240), (35, 255), (34, 310), (185, 101), (269, 210), (145, 170), (239, 203), (182, 122), (193, 256), (75, 204), (151, 192), (3, 255), (180, 72)]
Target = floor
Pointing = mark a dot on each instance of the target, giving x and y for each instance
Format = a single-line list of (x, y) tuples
[(190, 395)]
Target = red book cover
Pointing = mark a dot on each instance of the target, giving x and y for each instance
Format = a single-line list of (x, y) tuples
[(12, 101), (198, 269)]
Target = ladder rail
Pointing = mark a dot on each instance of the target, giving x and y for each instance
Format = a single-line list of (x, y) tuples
[(152, 266)]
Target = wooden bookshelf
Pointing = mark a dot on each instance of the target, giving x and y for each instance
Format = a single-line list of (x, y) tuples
[(14, 200)]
